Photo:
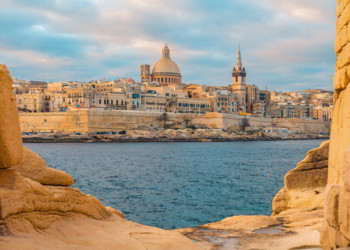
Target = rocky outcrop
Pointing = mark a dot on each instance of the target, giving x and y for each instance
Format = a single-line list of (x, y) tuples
[(10, 137), (24, 199), (34, 167), (337, 205), (27, 205), (304, 185)]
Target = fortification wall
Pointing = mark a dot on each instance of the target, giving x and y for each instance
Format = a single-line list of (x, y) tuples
[(336, 232), (302, 125), (92, 120), (72, 121)]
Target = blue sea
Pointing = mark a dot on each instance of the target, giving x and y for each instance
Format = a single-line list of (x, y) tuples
[(177, 185)]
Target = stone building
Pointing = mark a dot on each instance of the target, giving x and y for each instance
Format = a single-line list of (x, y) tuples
[(322, 113), (33, 102), (165, 71), (113, 100), (252, 96), (80, 97), (155, 103), (239, 86), (145, 75), (246, 94), (188, 105)]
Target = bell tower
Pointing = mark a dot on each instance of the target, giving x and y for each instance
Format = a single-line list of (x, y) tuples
[(239, 77)]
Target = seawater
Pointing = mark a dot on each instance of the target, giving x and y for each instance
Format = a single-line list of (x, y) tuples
[(176, 185)]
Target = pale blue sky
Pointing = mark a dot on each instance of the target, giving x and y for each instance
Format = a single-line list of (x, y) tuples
[(286, 44)]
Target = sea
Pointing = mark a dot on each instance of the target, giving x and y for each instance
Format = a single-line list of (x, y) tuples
[(177, 185)]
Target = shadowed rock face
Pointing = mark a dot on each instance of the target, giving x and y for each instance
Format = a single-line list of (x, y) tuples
[(10, 137), (336, 233)]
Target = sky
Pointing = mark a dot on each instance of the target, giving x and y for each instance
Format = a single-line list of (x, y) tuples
[(286, 45)]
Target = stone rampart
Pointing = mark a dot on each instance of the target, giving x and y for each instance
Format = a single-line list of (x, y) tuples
[(92, 120)]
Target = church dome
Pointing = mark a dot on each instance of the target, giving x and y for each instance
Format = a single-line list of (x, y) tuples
[(166, 66)]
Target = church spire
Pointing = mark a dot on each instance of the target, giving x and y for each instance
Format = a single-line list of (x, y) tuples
[(166, 52), (239, 59)]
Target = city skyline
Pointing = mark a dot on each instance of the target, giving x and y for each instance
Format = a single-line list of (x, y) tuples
[(285, 46)]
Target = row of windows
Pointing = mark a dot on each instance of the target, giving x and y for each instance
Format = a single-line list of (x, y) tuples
[(190, 112), (154, 103), (77, 95), (193, 105), (223, 104), (112, 102), (166, 80)]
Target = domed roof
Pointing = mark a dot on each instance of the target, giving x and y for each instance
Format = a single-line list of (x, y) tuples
[(166, 66)]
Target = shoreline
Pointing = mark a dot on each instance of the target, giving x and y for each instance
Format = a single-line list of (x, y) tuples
[(130, 139)]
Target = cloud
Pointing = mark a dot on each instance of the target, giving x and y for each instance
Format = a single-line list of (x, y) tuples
[(284, 43)]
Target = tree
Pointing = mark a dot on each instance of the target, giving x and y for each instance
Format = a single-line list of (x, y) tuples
[(164, 118), (244, 123), (187, 120)]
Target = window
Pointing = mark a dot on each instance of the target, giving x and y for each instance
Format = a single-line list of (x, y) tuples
[(100, 101), (111, 102), (116, 103)]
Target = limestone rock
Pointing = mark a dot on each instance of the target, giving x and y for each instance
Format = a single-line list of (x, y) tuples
[(280, 202), (340, 137), (346, 170), (248, 223), (304, 185), (34, 167), (306, 179), (317, 154), (10, 134), (332, 204), (23, 197), (336, 233)]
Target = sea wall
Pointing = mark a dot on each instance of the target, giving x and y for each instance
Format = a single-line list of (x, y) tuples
[(336, 232), (91, 120)]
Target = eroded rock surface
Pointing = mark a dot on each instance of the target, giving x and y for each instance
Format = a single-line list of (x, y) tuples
[(34, 167), (336, 232), (304, 185), (10, 137)]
